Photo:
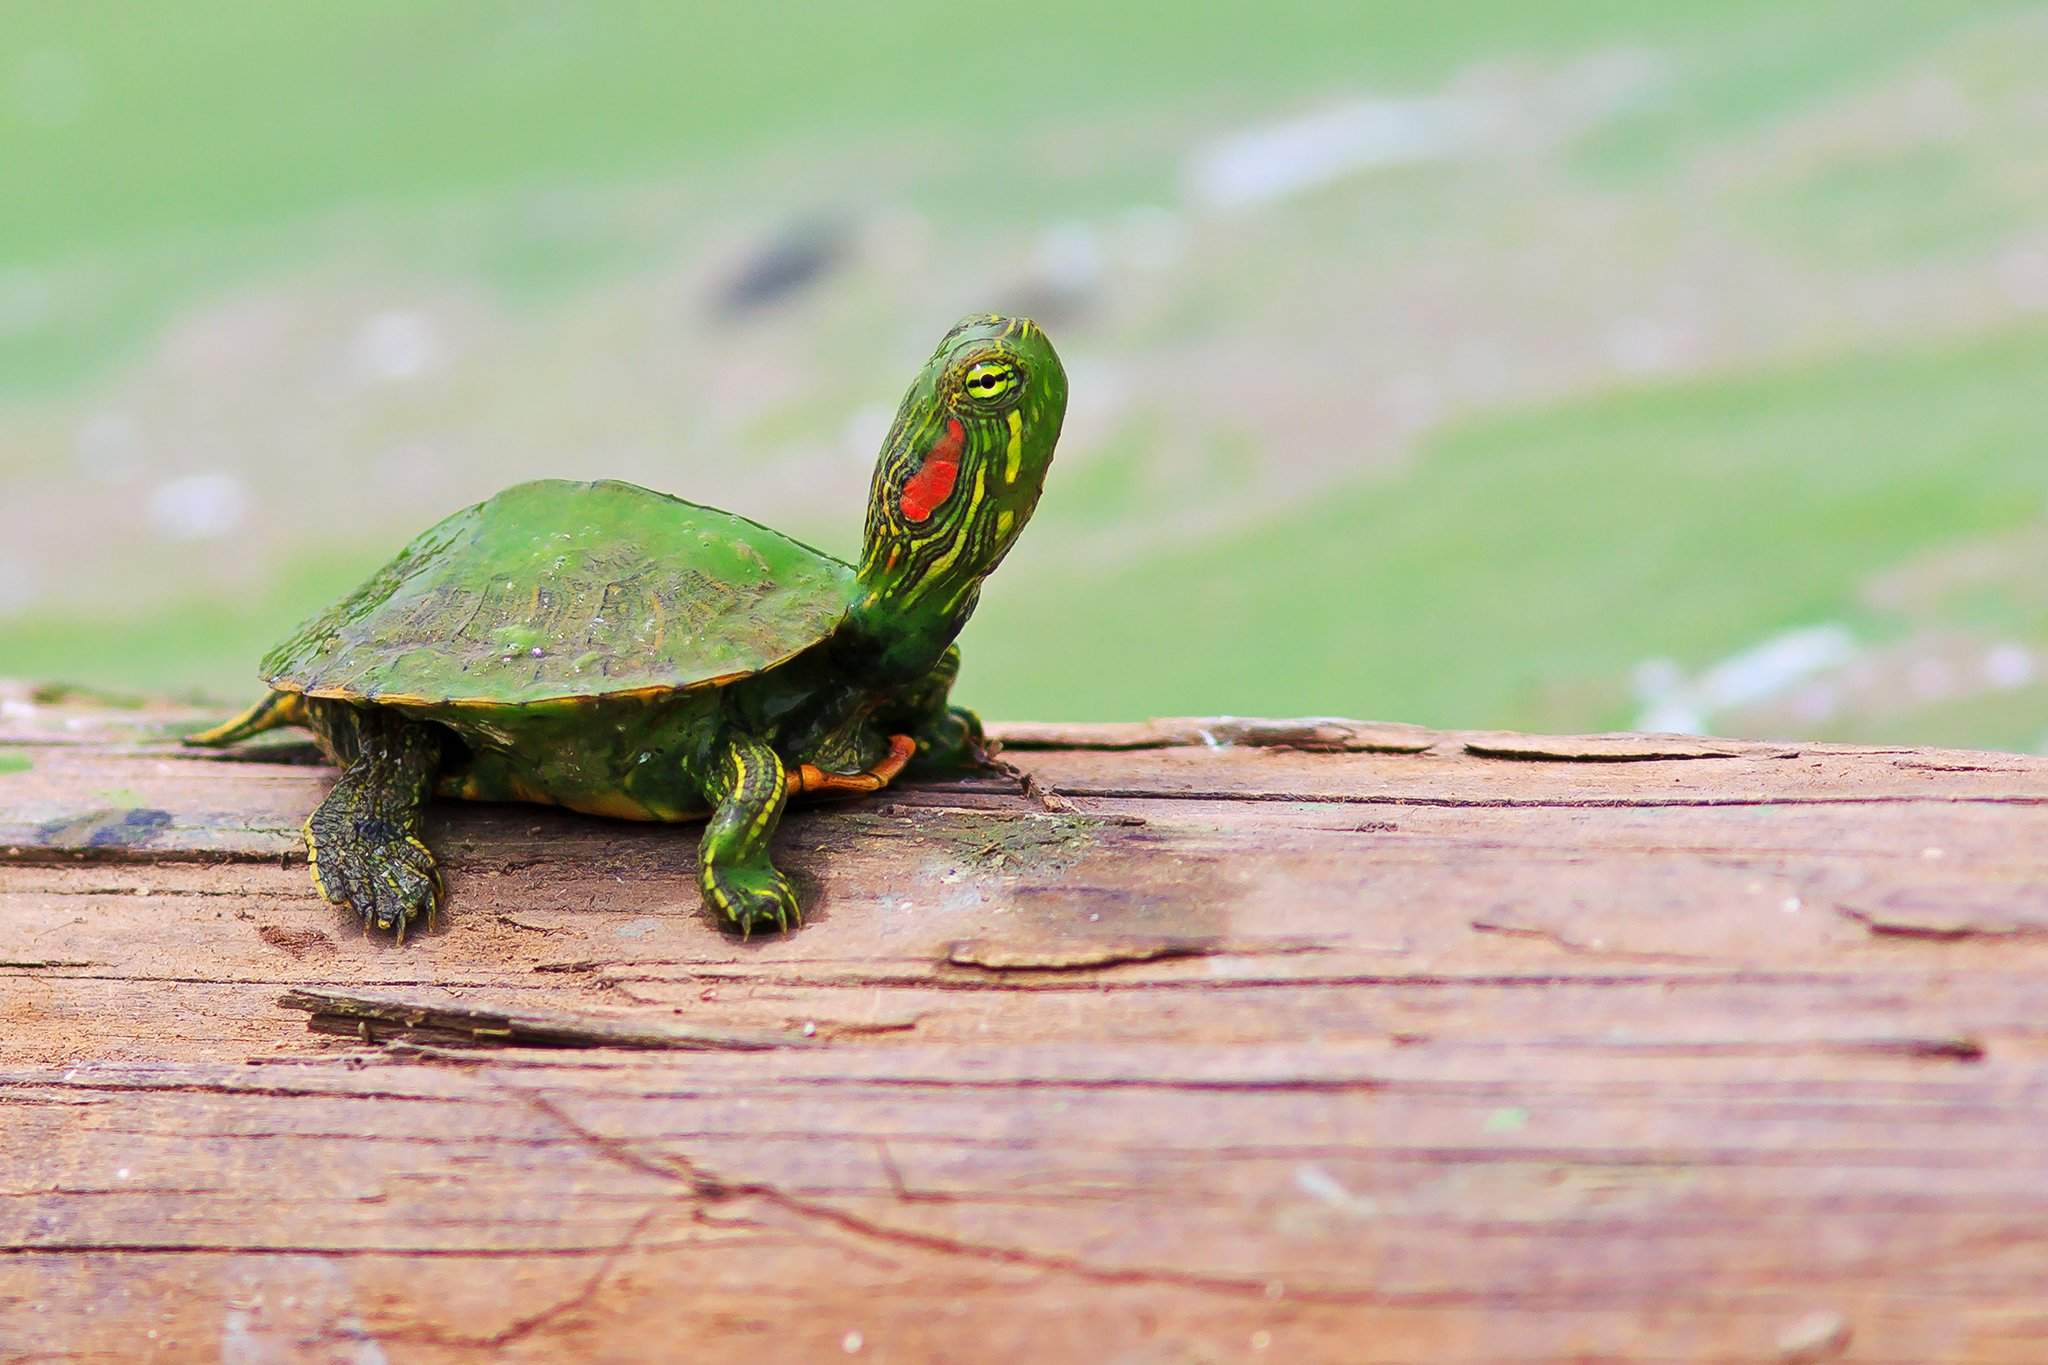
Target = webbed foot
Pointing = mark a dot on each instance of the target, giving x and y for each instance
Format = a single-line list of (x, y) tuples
[(375, 868), (752, 898)]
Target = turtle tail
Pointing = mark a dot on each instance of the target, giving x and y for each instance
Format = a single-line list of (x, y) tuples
[(279, 708)]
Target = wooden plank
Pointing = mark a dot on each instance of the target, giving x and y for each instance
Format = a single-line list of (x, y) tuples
[(1292, 1045)]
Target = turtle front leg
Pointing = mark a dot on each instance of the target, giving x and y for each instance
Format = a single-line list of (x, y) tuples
[(363, 842), (747, 788)]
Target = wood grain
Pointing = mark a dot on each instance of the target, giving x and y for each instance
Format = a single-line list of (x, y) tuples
[(1280, 1047)]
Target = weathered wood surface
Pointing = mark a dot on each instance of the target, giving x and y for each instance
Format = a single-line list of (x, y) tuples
[(1287, 1045)]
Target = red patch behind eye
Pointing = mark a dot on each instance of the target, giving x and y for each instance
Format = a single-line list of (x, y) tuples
[(933, 482)]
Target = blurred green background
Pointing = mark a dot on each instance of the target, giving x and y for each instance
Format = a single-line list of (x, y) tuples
[(1551, 364)]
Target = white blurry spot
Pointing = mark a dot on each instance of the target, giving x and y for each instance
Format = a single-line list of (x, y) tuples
[(1482, 365), (1931, 679), (411, 467), (1817, 702), (1938, 106), (1068, 257), (1320, 1185), (865, 431), (1790, 905), (1644, 346), (398, 345), (240, 1343), (1606, 83), (1660, 687), (1270, 163), (49, 88), (2008, 666), (2024, 275), (199, 506), (25, 302), (20, 586), (1656, 679), (1102, 392), (851, 1343), (109, 448), (1151, 237), (1771, 667), (1756, 674), (1818, 1336), (1412, 401), (1261, 1340)]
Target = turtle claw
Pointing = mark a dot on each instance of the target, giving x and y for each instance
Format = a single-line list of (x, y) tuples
[(376, 869), (750, 897)]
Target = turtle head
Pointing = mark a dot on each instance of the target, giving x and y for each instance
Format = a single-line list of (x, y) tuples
[(958, 477)]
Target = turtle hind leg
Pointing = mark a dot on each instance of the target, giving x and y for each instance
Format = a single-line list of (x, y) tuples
[(808, 777), (747, 787), (363, 842), (949, 738), (277, 709)]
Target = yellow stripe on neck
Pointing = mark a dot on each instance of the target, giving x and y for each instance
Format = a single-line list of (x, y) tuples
[(944, 563)]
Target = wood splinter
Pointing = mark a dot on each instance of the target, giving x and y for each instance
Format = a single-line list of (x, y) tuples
[(379, 1018)]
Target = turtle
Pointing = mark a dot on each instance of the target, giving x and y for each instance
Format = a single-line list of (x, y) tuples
[(623, 652)]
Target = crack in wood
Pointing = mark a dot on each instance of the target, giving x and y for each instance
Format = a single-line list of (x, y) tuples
[(1883, 924), (1577, 947), (709, 1187), (1946, 1049), (1544, 803), (1080, 954), (1311, 734), (1054, 982), (1617, 748), (339, 1251), (523, 1327)]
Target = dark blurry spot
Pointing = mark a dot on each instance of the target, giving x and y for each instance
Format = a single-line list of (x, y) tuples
[(136, 827), (792, 262), (106, 828)]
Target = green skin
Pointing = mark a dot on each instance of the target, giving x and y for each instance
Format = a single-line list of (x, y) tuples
[(989, 404)]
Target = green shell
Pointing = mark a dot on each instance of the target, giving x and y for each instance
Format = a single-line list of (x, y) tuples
[(557, 589)]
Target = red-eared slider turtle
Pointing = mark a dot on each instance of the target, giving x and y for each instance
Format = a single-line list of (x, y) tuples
[(626, 653)]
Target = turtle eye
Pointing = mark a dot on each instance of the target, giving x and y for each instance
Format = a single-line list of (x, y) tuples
[(991, 381)]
